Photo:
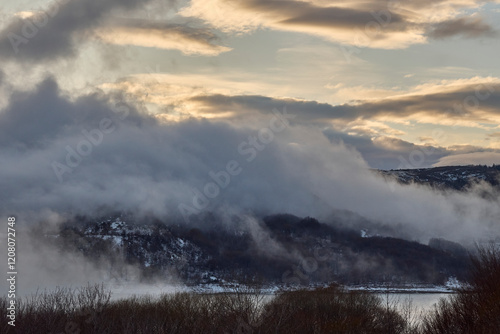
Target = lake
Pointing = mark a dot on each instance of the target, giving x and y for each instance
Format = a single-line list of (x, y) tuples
[(420, 303)]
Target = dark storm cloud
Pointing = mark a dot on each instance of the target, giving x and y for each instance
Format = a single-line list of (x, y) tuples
[(59, 30), (31, 119), (137, 164), (34, 119), (467, 27)]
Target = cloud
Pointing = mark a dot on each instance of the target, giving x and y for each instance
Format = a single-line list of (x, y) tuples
[(384, 152), (34, 119), (190, 41), (364, 125), (172, 95), (375, 24), (340, 24), (474, 158), (461, 102), (60, 30), (25, 14), (465, 26), (425, 139), (26, 123), (245, 105), (147, 167), (360, 124), (471, 102), (353, 93)]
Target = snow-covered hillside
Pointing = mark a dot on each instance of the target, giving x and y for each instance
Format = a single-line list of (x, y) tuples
[(454, 177)]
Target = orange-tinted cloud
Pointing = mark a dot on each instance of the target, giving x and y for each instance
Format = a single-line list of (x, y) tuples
[(190, 41), (471, 102), (376, 24)]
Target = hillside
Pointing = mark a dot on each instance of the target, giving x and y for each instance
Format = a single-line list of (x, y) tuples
[(449, 177), (280, 250)]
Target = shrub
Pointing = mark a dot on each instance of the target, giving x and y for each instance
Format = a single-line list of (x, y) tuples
[(476, 307), (329, 310), (89, 310)]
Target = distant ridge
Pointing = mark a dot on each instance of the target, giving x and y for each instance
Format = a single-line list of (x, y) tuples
[(447, 177)]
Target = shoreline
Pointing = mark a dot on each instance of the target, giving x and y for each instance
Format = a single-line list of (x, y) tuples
[(271, 290)]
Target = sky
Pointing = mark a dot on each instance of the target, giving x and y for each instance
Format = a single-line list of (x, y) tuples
[(175, 108), (179, 109), (386, 78)]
